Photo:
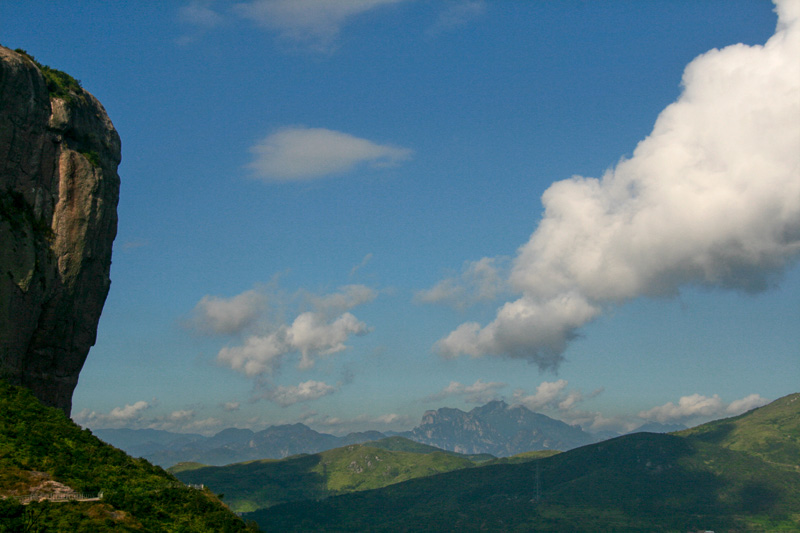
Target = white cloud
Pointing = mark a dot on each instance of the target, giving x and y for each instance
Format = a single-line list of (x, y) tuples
[(699, 406), (711, 197), (213, 314), (117, 417), (298, 153), (231, 406), (547, 394), (745, 404), (346, 298), (258, 355), (362, 264), (312, 23), (480, 280), (304, 392), (479, 392), (457, 15), (199, 13), (324, 330)]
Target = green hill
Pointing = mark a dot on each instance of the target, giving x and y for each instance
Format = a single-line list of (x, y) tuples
[(41, 447), (402, 444), (639, 482), (261, 484), (771, 432)]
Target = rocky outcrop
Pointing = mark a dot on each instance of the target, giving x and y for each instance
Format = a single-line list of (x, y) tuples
[(496, 429), (59, 189)]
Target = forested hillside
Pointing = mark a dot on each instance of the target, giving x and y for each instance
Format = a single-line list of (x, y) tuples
[(43, 452)]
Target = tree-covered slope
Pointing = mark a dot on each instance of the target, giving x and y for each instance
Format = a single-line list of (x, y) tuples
[(771, 432), (39, 445), (640, 482), (261, 484)]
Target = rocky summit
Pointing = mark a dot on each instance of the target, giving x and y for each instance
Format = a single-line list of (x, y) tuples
[(59, 190), (497, 429)]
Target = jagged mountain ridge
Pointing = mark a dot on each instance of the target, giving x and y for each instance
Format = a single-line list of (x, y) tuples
[(495, 428), (736, 474)]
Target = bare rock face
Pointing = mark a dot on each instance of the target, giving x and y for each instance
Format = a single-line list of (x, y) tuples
[(59, 190)]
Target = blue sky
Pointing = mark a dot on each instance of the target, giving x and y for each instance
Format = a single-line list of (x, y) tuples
[(347, 213)]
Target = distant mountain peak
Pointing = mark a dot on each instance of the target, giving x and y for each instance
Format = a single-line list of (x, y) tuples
[(496, 428)]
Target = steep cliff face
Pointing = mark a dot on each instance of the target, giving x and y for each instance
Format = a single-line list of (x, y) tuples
[(59, 189)]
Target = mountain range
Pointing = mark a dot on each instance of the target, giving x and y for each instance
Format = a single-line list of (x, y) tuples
[(495, 428), (737, 474)]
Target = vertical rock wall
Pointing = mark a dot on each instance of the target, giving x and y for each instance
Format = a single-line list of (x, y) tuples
[(59, 190)]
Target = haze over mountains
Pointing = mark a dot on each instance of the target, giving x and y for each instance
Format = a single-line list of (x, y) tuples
[(495, 428), (735, 474)]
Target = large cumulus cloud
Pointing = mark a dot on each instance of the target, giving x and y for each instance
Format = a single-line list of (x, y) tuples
[(710, 198)]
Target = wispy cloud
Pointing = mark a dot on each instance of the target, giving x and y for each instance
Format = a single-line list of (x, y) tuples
[(314, 24), (362, 264), (231, 406), (200, 13), (303, 392), (479, 392), (297, 153), (457, 15), (134, 416), (698, 406), (708, 198), (481, 280), (117, 417)]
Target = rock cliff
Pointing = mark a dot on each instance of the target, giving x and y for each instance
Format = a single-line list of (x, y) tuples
[(59, 189)]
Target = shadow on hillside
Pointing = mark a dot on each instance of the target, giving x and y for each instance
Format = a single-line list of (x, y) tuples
[(715, 434), (758, 498)]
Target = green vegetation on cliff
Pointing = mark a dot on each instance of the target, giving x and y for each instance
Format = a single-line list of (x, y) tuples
[(39, 445), (59, 83)]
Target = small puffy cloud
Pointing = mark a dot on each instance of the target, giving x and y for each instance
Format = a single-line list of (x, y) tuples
[(312, 23), (481, 280), (231, 406), (298, 153), (117, 417), (547, 394), (479, 392), (745, 404), (311, 335), (228, 316), (710, 198), (555, 397), (321, 331), (304, 392), (258, 355), (699, 406)]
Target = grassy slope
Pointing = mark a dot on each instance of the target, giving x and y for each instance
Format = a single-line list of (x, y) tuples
[(402, 444), (771, 432), (637, 482), (260, 484), (40, 442)]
